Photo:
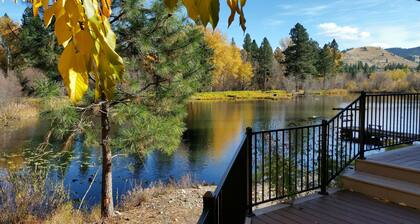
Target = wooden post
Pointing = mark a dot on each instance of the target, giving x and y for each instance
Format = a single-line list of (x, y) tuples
[(324, 158), (249, 170), (362, 120)]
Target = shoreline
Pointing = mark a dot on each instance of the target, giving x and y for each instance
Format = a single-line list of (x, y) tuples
[(254, 95)]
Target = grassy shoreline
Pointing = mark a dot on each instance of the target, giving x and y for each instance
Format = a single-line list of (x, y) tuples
[(19, 110), (262, 95)]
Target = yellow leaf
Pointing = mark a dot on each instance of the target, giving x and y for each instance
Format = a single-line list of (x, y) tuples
[(204, 10), (45, 4), (84, 42), (36, 4), (106, 7), (73, 70), (214, 13), (171, 4), (191, 8), (62, 30), (48, 14)]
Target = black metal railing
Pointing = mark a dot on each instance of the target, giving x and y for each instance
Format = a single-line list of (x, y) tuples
[(230, 201), (276, 164), (285, 162)]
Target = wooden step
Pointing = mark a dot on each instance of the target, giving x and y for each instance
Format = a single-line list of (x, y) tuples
[(397, 191), (388, 170)]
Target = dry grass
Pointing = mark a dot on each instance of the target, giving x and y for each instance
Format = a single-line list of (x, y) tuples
[(242, 95), (26, 196), (139, 195), (329, 92), (19, 110), (176, 202), (374, 56), (67, 214)]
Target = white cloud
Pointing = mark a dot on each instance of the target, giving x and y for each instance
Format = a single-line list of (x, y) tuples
[(343, 32), (273, 22), (316, 10), (302, 10)]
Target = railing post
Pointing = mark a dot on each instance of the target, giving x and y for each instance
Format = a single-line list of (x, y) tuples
[(209, 203), (249, 170), (324, 155), (362, 120)]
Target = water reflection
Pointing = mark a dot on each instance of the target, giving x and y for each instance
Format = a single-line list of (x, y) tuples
[(214, 130)]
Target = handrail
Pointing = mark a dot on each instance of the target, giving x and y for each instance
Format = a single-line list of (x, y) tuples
[(273, 164), (232, 162)]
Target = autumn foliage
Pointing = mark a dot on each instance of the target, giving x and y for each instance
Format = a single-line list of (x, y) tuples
[(230, 71)]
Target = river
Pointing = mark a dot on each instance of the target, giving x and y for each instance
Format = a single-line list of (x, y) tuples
[(214, 130)]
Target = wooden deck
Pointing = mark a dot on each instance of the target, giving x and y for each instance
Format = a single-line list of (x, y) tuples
[(341, 207), (408, 157)]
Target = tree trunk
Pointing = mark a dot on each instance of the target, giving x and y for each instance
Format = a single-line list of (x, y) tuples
[(7, 61), (107, 204)]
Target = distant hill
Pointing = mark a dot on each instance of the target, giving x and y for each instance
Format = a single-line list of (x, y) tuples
[(374, 56), (407, 53)]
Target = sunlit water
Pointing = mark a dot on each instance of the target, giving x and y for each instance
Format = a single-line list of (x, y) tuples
[(214, 132)]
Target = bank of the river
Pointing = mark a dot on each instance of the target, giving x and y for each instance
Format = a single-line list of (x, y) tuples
[(262, 95), (163, 204), (18, 110)]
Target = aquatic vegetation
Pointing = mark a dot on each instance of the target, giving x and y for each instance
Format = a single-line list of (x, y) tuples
[(242, 95)]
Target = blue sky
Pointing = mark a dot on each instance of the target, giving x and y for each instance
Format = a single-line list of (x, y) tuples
[(354, 23)]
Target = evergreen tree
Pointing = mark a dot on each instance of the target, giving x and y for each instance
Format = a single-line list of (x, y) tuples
[(325, 62), (167, 61), (247, 43), (299, 57), (38, 45), (254, 51), (265, 63), (336, 54), (418, 68), (232, 42), (278, 55), (314, 51)]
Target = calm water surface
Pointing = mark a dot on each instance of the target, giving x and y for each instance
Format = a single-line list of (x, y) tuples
[(214, 132)]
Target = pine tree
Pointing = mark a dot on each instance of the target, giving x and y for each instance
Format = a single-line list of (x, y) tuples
[(38, 45), (418, 68), (325, 62), (167, 61), (247, 43), (254, 51), (265, 63), (336, 54), (300, 55)]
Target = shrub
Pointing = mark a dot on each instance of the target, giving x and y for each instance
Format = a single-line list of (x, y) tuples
[(46, 88), (26, 195)]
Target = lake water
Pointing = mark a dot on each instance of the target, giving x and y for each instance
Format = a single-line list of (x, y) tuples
[(214, 130)]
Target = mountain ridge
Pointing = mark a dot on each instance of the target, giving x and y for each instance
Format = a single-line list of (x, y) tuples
[(376, 56), (407, 53)]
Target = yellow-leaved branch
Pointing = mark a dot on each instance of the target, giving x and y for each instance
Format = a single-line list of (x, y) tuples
[(84, 30)]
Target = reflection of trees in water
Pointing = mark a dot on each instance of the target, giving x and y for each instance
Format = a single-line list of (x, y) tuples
[(287, 162), (216, 124)]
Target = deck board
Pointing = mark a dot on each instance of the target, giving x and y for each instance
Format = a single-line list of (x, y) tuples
[(407, 157), (341, 207)]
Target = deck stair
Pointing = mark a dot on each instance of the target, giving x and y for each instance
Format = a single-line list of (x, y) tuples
[(393, 176)]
